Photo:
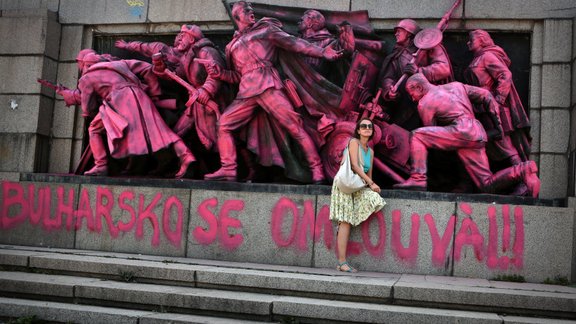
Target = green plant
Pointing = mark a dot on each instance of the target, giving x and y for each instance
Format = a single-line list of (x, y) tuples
[(26, 320), (127, 276), (558, 280), (510, 278)]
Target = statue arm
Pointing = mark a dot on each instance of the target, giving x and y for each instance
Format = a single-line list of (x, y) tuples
[(484, 97), (87, 99), (145, 71), (426, 116), (294, 44), (146, 49), (439, 67), (501, 75), (211, 84), (71, 96)]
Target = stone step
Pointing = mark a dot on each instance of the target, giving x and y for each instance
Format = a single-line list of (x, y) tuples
[(132, 301), (205, 286), (74, 313)]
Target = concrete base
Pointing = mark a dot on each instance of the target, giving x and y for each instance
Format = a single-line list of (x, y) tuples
[(288, 225)]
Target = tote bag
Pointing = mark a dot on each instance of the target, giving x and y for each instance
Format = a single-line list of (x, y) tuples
[(346, 180)]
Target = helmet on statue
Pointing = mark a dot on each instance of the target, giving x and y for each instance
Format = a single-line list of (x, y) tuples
[(408, 25)]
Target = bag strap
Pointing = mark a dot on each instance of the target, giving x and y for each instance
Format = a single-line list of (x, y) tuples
[(360, 159)]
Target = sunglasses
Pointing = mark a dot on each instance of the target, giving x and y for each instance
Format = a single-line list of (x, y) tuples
[(366, 126)]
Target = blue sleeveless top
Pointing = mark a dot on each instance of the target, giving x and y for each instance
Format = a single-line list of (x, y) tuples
[(365, 158)]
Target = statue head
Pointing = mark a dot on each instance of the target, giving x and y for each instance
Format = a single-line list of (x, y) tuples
[(243, 14), (81, 57), (479, 39), (405, 31), (408, 25), (188, 35), (417, 86), (312, 20)]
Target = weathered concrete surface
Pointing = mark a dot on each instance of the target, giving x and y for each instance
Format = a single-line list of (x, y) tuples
[(90, 12), (530, 241), (116, 267), (68, 313), (321, 290), (134, 219), (251, 227), (39, 284), (372, 313), (397, 240), (483, 293), (180, 297), (38, 214), (409, 236), (327, 284)]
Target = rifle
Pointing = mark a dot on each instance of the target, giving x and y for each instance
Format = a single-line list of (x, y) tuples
[(57, 87), (441, 26), (161, 68)]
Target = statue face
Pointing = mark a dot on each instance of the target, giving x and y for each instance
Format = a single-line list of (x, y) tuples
[(402, 36), (184, 41), (177, 40), (304, 23), (474, 44), (415, 91), (246, 16)]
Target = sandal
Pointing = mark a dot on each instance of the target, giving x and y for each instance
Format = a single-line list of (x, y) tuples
[(345, 263)]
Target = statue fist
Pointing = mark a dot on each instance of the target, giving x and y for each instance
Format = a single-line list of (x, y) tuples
[(331, 54), (410, 69), (214, 70), (203, 96), (121, 44), (391, 95)]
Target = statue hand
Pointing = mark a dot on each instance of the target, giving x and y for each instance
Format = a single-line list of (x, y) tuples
[(121, 44), (331, 54), (214, 70), (391, 95), (410, 69), (203, 96)]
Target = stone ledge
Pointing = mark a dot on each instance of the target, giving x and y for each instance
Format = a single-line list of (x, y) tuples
[(281, 188)]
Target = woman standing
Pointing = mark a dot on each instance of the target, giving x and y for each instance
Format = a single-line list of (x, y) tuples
[(352, 209)]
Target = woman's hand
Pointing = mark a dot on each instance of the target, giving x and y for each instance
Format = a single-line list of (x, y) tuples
[(374, 187)]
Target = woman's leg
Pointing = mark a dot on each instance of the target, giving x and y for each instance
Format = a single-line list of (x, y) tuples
[(342, 243)]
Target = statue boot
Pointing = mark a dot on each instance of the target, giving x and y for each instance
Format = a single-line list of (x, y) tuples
[(227, 158), (417, 181), (99, 153), (317, 174), (186, 158), (313, 159), (524, 172)]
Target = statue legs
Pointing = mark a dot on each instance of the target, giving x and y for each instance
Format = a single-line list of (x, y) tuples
[(185, 156), (239, 113), (95, 132), (473, 156)]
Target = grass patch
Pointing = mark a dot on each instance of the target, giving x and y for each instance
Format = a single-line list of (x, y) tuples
[(558, 280), (510, 278), (127, 276)]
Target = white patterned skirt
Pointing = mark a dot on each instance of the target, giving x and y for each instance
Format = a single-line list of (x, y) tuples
[(356, 207)]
